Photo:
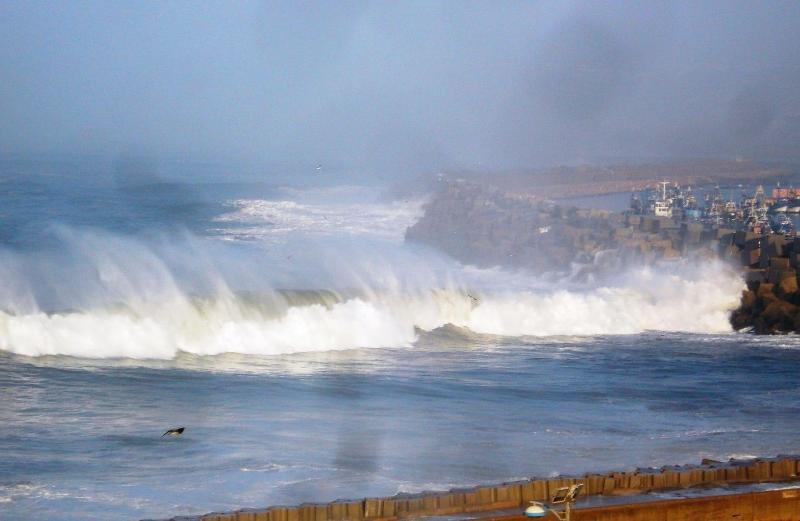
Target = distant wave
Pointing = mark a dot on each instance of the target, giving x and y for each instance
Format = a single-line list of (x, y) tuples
[(270, 220)]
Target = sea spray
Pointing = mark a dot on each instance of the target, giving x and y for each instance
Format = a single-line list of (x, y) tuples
[(134, 298)]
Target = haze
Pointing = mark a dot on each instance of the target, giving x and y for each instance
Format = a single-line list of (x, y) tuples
[(401, 86)]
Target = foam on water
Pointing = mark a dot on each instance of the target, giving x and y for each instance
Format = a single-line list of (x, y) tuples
[(674, 298), (331, 212)]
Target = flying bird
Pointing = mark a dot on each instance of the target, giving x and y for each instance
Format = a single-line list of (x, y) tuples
[(174, 432)]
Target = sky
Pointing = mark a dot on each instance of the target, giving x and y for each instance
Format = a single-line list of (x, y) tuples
[(404, 87)]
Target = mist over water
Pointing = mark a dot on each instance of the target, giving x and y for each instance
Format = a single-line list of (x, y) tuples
[(195, 230)]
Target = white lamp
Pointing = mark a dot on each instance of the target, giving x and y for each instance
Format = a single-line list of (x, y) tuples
[(536, 510), (565, 495)]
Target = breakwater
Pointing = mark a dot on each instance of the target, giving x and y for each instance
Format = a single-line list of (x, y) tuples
[(518, 494), (770, 304), (485, 226)]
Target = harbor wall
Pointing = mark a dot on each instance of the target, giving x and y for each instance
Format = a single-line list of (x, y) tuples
[(518, 494), (485, 226)]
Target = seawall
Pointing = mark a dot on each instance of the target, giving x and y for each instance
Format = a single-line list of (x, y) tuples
[(515, 495), (772, 505)]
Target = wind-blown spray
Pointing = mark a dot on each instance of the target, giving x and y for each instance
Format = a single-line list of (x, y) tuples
[(107, 296)]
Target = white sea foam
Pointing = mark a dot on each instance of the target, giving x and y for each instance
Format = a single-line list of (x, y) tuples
[(695, 300), (270, 220), (687, 298), (269, 467), (741, 456)]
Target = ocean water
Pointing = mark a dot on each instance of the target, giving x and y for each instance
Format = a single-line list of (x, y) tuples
[(312, 355)]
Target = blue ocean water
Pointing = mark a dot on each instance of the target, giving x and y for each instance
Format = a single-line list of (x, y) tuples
[(312, 355)]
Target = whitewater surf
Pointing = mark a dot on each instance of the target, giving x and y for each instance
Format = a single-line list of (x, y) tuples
[(162, 318)]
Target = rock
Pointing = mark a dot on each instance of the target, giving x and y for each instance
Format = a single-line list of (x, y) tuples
[(774, 245), (787, 286), (748, 299), (777, 275), (744, 316), (750, 257), (778, 316), (764, 289), (779, 263), (726, 234), (754, 276)]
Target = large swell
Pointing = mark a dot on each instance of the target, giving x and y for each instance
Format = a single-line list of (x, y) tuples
[(107, 296)]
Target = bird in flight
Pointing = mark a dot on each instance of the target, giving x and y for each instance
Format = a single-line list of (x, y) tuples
[(174, 432)]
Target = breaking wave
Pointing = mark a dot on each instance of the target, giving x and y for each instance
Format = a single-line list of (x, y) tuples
[(341, 212), (106, 296)]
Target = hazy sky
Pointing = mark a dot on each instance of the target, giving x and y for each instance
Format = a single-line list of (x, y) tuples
[(401, 85)]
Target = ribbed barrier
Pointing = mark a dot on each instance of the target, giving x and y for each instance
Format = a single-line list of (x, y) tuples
[(517, 494), (773, 505)]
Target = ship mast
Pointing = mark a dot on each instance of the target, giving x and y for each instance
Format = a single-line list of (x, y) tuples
[(664, 190)]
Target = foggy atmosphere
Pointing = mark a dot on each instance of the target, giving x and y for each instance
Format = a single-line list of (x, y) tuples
[(373, 261)]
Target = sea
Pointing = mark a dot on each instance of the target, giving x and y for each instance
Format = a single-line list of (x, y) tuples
[(312, 354)]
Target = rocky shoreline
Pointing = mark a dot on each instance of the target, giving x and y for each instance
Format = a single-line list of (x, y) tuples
[(483, 225)]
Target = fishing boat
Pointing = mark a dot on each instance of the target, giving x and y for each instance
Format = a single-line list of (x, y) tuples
[(782, 224), (780, 206)]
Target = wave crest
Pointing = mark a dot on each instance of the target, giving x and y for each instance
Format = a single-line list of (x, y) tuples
[(690, 298)]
